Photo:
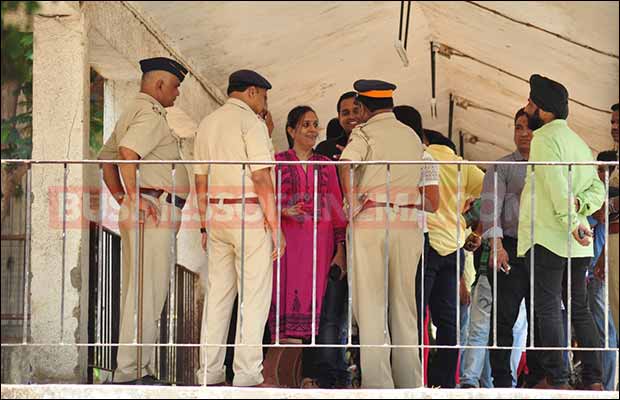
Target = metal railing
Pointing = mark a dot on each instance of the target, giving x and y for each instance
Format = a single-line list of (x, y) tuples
[(173, 342), (175, 326)]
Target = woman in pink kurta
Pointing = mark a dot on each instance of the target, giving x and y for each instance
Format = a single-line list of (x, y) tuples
[(296, 264)]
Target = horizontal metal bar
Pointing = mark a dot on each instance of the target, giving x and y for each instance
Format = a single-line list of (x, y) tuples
[(403, 346), (344, 162), (16, 238)]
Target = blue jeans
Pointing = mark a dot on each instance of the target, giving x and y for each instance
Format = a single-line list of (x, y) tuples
[(596, 298), (475, 364), (519, 339)]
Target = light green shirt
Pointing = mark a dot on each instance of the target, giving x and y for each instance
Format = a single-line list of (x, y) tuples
[(554, 220)]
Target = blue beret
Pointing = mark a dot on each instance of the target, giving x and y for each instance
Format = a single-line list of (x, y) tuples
[(163, 64), (374, 88), (244, 78)]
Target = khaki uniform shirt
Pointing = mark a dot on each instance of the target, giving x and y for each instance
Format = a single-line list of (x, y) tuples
[(143, 128), (232, 132), (384, 138)]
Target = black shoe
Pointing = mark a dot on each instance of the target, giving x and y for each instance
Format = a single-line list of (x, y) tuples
[(145, 380), (468, 386)]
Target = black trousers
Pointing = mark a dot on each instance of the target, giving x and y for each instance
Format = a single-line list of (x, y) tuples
[(512, 288), (549, 281), (327, 364), (440, 283)]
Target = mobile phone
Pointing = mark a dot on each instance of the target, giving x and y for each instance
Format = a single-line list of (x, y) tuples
[(506, 269)]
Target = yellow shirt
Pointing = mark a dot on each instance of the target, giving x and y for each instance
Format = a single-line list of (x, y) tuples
[(232, 132), (442, 224), (143, 128)]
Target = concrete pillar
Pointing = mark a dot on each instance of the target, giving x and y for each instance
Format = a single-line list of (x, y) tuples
[(60, 131)]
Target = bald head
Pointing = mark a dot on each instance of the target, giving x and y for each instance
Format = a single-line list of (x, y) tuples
[(163, 86)]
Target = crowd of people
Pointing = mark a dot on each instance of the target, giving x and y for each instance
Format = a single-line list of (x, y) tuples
[(428, 242)]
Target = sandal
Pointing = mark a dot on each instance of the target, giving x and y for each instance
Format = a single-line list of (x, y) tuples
[(309, 383)]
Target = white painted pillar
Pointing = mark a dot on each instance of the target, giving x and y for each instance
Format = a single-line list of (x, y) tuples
[(60, 131)]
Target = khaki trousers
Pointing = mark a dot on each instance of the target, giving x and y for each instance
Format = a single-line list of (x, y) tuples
[(224, 253), (158, 240), (613, 277), (405, 246)]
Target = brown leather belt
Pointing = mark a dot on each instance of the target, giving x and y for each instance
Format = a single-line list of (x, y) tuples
[(248, 200), (373, 204), (178, 201)]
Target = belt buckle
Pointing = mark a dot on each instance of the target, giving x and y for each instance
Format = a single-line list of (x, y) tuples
[(393, 209)]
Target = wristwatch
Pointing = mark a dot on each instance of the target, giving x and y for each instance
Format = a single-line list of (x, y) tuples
[(203, 230)]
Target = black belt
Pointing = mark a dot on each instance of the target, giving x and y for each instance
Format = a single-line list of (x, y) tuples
[(178, 201)]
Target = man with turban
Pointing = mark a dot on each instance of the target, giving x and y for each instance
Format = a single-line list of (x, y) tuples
[(563, 197)]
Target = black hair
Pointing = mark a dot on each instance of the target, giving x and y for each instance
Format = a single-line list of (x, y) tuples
[(334, 129), (410, 117), (293, 120), (374, 104), (345, 96), (521, 113), (615, 107), (608, 155), (435, 137), (236, 88)]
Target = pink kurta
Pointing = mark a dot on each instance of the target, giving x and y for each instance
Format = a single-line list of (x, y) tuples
[(296, 263)]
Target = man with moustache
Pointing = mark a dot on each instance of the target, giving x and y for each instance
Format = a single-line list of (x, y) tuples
[(349, 111), (561, 232), (142, 133)]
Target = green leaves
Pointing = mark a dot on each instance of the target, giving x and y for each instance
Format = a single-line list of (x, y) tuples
[(16, 41)]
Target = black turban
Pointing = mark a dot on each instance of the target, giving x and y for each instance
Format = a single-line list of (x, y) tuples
[(549, 95)]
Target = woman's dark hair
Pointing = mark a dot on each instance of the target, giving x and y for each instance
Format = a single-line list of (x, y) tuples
[(334, 129), (410, 117), (294, 116), (607, 155), (435, 137), (521, 113), (615, 107)]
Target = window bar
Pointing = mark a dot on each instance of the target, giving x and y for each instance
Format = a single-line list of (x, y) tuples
[(606, 251), (64, 251), (386, 274), (314, 244), (422, 307), (173, 261), (98, 321), (278, 261), (350, 262), (458, 255), (27, 254), (241, 295), (568, 305), (532, 249), (495, 282)]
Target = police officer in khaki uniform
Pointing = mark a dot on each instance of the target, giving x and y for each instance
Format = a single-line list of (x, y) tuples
[(381, 137), (142, 133), (242, 235)]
